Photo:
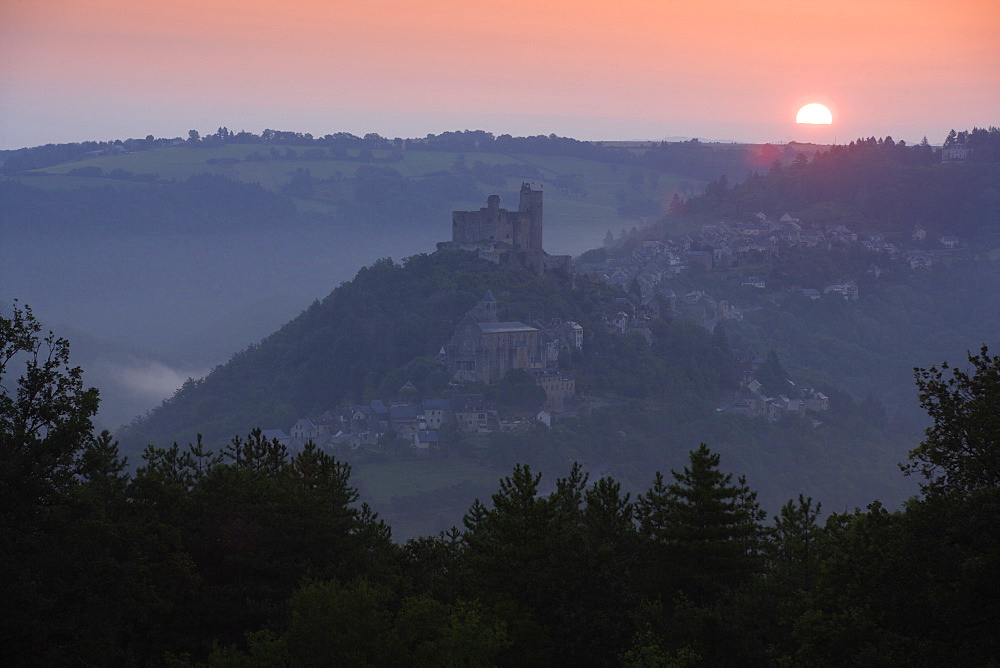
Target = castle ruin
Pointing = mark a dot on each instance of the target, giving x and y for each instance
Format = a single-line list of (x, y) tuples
[(521, 229), (507, 237)]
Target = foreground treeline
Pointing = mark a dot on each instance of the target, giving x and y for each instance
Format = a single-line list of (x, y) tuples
[(250, 556)]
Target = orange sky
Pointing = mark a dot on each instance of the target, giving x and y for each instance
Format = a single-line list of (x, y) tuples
[(72, 70)]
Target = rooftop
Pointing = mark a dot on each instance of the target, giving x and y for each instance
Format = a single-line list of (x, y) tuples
[(504, 327)]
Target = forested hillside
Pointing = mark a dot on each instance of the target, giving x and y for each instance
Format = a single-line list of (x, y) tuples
[(908, 309), (382, 329), (389, 317), (872, 185)]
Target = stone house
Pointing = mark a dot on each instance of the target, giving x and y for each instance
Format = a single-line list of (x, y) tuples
[(560, 388), (305, 429), (424, 439), (474, 415), (437, 412)]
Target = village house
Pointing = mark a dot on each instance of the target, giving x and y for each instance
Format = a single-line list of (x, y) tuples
[(474, 415), (423, 440), (920, 260), (955, 152), (559, 335), (560, 388), (846, 289), (617, 322), (750, 401)]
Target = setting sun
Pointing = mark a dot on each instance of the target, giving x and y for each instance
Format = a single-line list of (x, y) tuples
[(815, 114)]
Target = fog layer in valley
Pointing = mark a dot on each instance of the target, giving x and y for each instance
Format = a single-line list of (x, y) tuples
[(143, 314)]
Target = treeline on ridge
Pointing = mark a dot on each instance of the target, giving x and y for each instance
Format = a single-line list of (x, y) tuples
[(699, 160), (868, 185)]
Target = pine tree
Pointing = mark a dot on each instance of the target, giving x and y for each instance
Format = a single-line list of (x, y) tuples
[(702, 525), (794, 549)]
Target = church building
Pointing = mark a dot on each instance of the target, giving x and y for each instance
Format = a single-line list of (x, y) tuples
[(485, 349)]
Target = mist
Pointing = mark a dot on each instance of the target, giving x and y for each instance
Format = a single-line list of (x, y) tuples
[(145, 313)]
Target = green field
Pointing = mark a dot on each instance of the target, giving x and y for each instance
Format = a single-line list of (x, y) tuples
[(573, 222)]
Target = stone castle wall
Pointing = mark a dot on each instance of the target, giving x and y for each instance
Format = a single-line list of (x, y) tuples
[(522, 229)]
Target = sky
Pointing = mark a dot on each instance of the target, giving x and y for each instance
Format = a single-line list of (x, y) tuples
[(76, 70)]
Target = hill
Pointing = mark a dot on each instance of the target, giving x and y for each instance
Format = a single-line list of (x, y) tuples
[(915, 235), (381, 330), (346, 346), (117, 240), (661, 389), (372, 179), (873, 185)]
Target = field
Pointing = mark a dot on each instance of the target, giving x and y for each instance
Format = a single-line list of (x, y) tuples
[(574, 222), (379, 483), (425, 496)]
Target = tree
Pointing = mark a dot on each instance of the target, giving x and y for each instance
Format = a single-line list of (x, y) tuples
[(676, 205), (772, 376), (961, 451), (45, 424), (719, 338), (300, 184), (507, 543), (518, 389), (702, 527), (74, 584), (794, 549)]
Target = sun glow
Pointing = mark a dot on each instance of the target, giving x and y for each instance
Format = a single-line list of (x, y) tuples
[(814, 114)]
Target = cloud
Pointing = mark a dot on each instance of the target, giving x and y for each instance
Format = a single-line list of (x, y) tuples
[(145, 381)]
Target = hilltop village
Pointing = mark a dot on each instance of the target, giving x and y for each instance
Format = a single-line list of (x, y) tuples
[(647, 269), (484, 349)]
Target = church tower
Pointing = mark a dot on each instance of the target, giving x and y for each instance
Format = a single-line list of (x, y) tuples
[(486, 309)]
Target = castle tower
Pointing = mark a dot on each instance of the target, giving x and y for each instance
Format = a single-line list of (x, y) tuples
[(530, 236)]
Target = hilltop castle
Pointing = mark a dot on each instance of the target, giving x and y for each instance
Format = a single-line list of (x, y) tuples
[(502, 236), (522, 229)]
